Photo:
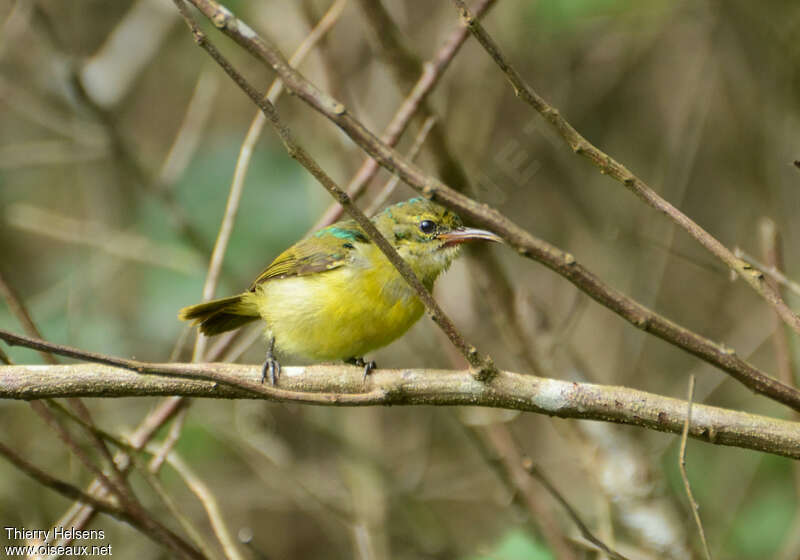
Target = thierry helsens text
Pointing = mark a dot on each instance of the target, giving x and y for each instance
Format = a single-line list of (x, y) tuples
[(19, 533)]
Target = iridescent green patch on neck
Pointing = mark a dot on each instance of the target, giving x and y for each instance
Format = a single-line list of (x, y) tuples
[(348, 233)]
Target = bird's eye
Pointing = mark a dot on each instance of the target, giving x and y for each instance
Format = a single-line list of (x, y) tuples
[(427, 226)]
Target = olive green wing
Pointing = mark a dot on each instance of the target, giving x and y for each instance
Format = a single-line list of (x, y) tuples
[(327, 249)]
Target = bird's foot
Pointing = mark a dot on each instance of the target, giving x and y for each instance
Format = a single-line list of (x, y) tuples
[(271, 365), (368, 366)]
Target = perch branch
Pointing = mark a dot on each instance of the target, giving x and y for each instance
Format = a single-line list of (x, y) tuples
[(342, 385)]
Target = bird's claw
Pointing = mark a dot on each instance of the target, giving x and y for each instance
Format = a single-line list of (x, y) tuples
[(273, 368), (271, 365), (368, 367)]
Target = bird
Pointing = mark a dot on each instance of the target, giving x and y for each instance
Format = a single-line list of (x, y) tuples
[(334, 295)]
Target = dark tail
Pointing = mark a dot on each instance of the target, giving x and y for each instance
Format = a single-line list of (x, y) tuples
[(220, 315)]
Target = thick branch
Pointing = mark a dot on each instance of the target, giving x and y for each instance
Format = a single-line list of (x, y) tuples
[(564, 399)]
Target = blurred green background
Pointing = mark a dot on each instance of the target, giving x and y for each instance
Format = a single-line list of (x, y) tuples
[(698, 98)]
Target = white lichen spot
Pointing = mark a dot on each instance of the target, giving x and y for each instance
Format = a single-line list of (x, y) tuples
[(246, 31), (550, 395), (293, 371), (38, 367)]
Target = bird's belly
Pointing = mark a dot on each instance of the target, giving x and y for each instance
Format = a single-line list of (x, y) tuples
[(339, 314)]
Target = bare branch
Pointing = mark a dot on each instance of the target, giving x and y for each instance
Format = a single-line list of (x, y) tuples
[(342, 385)]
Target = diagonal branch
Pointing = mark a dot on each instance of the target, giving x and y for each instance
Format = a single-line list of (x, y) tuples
[(609, 166), (526, 244), (147, 525)]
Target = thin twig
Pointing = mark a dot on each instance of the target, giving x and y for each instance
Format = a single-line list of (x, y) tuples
[(190, 131), (82, 411), (769, 270), (19, 309), (63, 488), (772, 251), (612, 168), (206, 497), (485, 266), (773, 258), (149, 527), (536, 472), (498, 436), (185, 523), (79, 515), (682, 465), (383, 195), (483, 365), (121, 491), (429, 75), (169, 442), (134, 172), (526, 244)]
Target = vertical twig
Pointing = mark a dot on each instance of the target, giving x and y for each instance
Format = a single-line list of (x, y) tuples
[(684, 476), (773, 259), (772, 253)]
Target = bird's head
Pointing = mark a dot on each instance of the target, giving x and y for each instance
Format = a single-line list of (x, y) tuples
[(426, 235)]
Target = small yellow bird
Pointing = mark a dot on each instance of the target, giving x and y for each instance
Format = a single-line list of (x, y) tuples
[(335, 295)]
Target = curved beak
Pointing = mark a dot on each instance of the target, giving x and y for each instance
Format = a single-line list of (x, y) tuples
[(462, 235)]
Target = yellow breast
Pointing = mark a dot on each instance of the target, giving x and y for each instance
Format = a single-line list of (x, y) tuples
[(338, 314)]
